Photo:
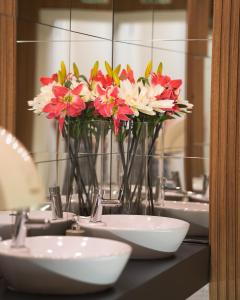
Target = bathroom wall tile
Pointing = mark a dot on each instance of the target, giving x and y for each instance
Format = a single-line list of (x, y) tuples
[(92, 19), (175, 65), (136, 55), (39, 32), (86, 50), (133, 26), (53, 13), (38, 133)]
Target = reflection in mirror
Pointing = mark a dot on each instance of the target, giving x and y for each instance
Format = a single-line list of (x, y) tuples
[(92, 18), (54, 13), (132, 25), (179, 34), (141, 31), (85, 50), (36, 59)]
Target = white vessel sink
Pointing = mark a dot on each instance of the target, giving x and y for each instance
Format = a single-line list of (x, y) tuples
[(198, 197), (197, 214), (150, 236), (63, 265), (56, 227)]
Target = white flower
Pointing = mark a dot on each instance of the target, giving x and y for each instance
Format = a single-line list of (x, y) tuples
[(158, 105), (162, 105), (135, 95), (188, 105), (154, 90), (45, 96), (86, 94)]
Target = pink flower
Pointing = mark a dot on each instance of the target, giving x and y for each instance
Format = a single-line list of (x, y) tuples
[(105, 80), (127, 74), (66, 103), (171, 87), (47, 80), (109, 105)]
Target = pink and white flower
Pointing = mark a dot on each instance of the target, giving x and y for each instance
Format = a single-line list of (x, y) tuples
[(42, 99), (108, 104), (117, 95), (66, 102)]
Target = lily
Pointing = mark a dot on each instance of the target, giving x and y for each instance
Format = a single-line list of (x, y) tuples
[(66, 102)]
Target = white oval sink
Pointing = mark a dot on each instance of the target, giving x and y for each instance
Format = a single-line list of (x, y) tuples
[(63, 265), (197, 214), (56, 227), (150, 236)]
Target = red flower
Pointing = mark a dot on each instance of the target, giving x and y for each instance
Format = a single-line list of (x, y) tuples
[(127, 74), (171, 87), (105, 80), (109, 105), (66, 102), (47, 80)]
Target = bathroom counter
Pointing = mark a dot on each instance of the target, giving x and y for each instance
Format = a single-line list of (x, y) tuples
[(174, 278)]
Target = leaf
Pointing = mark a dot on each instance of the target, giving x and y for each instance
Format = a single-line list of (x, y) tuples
[(142, 79), (148, 69), (68, 84), (75, 70), (60, 78), (160, 68), (109, 69), (116, 78), (83, 77), (117, 69), (95, 69), (63, 69)]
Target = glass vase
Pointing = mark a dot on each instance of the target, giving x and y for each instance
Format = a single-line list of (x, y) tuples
[(123, 166)]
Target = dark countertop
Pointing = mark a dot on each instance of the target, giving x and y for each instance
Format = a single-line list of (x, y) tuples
[(175, 278)]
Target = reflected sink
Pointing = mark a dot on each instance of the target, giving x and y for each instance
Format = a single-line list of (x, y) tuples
[(197, 214), (149, 236), (63, 265), (57, 227)]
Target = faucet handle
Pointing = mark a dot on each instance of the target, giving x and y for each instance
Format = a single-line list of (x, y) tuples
[(37, 223)]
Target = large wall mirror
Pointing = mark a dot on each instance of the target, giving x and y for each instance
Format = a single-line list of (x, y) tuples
[(176, 33)]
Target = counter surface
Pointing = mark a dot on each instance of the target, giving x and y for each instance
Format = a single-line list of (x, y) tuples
[(174, 278)]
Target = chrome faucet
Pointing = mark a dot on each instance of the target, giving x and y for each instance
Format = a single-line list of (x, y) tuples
[(56, 204), (96, 213), (22, 224)]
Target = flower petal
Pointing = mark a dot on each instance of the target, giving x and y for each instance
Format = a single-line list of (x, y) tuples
[(114, 92), (100, 91), (46, 80), (77, 90), (60, 91), (175, 84)]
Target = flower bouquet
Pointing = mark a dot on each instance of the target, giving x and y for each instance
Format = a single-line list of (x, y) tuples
[(117, 118)]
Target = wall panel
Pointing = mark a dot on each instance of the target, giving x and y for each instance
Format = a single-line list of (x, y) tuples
[(225, 152), (7, 63)]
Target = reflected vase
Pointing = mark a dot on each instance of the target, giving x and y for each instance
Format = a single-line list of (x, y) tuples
[(122, 166)]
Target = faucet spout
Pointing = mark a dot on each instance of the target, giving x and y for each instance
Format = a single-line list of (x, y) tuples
[(20, 229), (22, 223)]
